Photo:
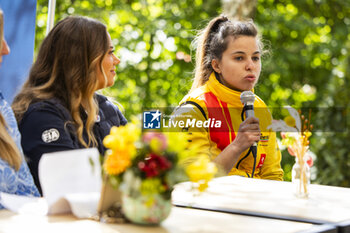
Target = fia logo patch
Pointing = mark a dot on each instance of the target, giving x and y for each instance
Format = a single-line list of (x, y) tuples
[(50, 135)]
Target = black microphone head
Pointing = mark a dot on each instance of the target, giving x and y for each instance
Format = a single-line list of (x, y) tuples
[(247, 98)]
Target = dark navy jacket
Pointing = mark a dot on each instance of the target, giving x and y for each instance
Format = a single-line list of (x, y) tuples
[(46, 127)]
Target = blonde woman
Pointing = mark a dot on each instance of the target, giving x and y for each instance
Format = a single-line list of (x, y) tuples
[(15, 177), (57, 108)]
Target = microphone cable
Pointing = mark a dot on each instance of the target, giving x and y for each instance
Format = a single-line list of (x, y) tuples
[(252, 148)]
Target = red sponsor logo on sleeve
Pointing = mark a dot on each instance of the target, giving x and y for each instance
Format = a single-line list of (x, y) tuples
[(262, 160)]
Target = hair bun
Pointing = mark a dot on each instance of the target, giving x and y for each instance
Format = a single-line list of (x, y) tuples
[(216, 23)]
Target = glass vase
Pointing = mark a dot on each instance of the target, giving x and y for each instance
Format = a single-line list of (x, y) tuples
[(146, 209), (301, 178)]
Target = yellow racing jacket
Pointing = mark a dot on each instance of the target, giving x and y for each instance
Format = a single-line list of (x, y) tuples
[(213, 112)]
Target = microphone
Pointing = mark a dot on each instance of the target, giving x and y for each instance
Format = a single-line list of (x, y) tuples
[(248, 98)]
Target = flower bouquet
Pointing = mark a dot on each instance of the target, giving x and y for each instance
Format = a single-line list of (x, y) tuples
[(295, 133), (146, 167)]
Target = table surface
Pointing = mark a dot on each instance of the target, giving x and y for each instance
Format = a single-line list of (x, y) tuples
[(180, 220), (326, 204)]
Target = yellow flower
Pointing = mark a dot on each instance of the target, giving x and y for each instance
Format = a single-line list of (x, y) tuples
[(203, 186), (114, 130), (180, 144), (114, 164), (131, 132), (121, 138), (156, 145), (307, 134), (126, 152), (290, 121), (121, 141), (113, 141), (201, 171)]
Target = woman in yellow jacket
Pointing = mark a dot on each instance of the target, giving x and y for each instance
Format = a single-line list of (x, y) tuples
[(228, 63)]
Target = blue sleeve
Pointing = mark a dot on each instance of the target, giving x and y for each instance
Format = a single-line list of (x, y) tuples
[(123, 120), (17, 182), (26, 185), (110, 109), (11, 181), (44, 130)]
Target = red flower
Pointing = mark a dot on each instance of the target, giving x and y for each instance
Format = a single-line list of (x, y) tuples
[(154, 165), (309, 160)]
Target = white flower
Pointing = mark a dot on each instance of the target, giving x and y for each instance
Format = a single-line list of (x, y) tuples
[(294, 113), (281, 126)]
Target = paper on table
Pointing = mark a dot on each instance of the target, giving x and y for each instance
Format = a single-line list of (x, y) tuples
[(24, 204), (71, 181)]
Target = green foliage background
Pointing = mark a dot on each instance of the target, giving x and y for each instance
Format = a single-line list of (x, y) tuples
[(309, 65)]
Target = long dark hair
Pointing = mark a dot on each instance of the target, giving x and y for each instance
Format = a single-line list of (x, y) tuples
[(66, 69)]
